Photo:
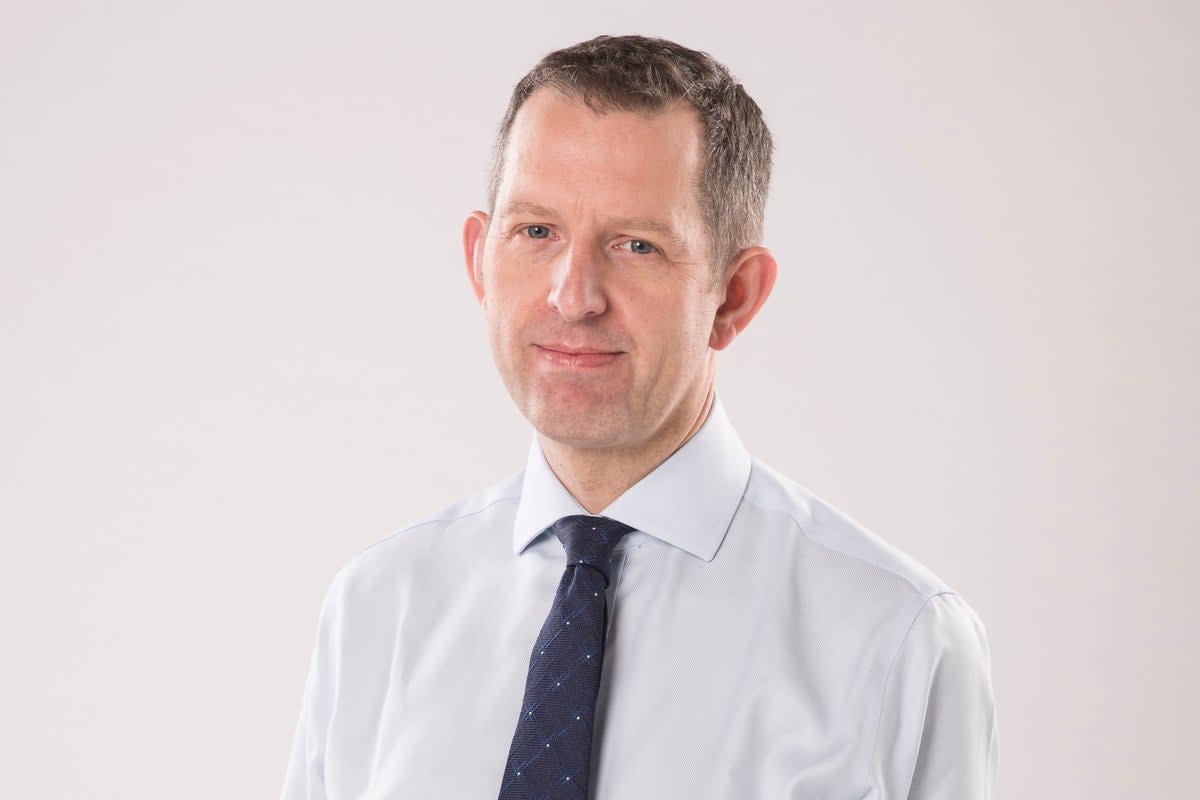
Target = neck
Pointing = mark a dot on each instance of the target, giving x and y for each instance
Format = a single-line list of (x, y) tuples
[(597, 476)]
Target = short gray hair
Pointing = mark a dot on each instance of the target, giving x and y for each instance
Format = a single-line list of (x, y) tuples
[(648, 75)]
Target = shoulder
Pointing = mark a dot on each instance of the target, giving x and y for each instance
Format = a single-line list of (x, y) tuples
[(409, 544), (828, 529), (922, 627)]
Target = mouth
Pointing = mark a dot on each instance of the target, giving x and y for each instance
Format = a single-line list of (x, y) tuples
[(561, 355)]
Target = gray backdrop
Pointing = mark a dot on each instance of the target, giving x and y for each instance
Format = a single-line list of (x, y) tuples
[(238, 345)]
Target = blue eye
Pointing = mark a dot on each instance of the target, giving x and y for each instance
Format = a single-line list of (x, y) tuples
[(537, 231), (640, 247)]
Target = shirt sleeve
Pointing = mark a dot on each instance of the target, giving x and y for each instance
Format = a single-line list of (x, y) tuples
[(938, 737), (305, 776)]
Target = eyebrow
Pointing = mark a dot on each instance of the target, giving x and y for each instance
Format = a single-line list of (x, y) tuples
[(637, 223)]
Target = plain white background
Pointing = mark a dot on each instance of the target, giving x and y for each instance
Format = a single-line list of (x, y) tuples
[(237, 345)]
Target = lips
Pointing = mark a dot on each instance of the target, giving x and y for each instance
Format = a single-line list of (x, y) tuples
[(576, 356), (576, 350)]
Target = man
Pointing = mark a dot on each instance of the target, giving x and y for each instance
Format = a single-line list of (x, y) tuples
[(645, 610)]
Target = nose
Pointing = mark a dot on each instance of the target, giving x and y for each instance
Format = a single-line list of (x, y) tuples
[(578, 288)]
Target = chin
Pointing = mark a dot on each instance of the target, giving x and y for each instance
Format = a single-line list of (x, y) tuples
[(584, 426)]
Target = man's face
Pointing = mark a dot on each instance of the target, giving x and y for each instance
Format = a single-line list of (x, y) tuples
[(593, 272)]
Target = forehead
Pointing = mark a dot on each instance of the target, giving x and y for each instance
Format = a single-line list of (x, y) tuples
[(560, 152)]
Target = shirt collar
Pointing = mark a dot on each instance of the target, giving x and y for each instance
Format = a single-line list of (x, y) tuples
[(687, 501)]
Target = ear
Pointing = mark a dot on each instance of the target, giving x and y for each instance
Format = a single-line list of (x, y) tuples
[(748, 281), (474, 233)]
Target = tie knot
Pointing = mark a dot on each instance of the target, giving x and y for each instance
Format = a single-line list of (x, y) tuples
[(590, 540)]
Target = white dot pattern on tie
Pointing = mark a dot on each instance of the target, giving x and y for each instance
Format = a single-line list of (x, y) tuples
[(550, 754)]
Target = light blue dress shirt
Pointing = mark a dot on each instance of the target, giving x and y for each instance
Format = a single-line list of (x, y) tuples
[(761, 645)]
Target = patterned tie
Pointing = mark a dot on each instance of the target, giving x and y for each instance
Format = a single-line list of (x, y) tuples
[(551, 751)]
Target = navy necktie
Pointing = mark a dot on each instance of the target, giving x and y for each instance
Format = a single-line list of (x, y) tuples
[(551, 751)]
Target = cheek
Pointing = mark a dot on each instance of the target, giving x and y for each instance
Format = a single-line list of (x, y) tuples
[(665, 342), (687, 332), (509, 316)]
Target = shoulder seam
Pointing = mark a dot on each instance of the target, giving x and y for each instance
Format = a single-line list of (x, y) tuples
[(423, 522), (833, 549), (887, 679)]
